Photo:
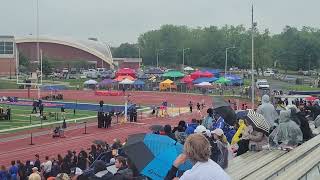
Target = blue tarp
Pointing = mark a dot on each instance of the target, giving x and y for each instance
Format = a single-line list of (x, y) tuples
[(139, 82), (235, 79), (204, 79), (53, 87), (81, 106)]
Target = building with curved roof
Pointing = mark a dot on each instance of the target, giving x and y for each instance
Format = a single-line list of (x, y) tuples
[(66, 49)]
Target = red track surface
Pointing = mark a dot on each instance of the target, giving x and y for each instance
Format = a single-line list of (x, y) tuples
[(141, 98), (75, 140)]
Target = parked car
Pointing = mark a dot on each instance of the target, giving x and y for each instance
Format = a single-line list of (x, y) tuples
[(289, 78), (268, 73), (262, 84)]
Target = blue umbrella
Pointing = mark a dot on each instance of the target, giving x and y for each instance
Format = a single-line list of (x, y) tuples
[(154, 154)]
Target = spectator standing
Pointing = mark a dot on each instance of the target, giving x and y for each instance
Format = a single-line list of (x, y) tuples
[(21, 170), (13, 171), (190, 106), (8, 113), (4, 174), (47, 167), (37, 161), (267, 110)]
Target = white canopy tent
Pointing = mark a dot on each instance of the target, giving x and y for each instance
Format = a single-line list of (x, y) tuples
[(90, 82), (126, 81)]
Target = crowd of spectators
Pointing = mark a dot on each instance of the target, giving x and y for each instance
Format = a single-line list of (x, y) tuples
[(209, 143)]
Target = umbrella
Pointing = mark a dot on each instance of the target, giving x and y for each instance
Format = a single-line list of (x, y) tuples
[(154, 154), (90, 82), (173, 74), (188, 68), (156, 128), (223, 109), (311, 98), (99, 142), (126, 81), (223, 80), (257, 121), (204, 84)]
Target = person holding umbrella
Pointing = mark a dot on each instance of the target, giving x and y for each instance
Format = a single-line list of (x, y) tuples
[(255, 134)]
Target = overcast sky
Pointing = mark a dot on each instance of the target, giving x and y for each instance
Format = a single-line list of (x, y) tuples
[(118, 21)]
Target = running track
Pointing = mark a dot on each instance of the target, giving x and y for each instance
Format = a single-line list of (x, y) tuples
[(75, 140)]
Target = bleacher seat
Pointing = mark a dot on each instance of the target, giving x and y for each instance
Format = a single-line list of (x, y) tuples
[(306, 168), (245, 166), (278, 166)]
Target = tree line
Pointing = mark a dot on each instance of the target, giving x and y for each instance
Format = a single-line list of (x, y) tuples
[(292, 49)]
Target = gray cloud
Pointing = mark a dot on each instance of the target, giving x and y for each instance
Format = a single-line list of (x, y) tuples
[(117, 21)]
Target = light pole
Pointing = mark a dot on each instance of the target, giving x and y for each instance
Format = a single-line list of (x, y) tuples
[(253, 25), (139, 51), (226, 63), (183, 50), (158, 50)]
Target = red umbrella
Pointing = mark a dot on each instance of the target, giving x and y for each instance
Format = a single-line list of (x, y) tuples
[(207, 74), (196, 74), (311, 98), (126, 72), (187, 79)]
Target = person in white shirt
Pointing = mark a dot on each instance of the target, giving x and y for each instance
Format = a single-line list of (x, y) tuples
[(197, 150), (47, 167)]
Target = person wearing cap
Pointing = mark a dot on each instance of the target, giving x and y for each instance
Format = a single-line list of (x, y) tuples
[(35, 174), (222, 144)]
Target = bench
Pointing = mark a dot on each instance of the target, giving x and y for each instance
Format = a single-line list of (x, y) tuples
[(306, 168), (277, 166), (252, 163)]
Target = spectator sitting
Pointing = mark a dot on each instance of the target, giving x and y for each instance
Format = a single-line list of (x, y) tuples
[(288, 132), (116, 144), (251, 140), (100, 171), (179, 133), (221, 124), (197, 149), (222, 145), (62, 176), (76, 173), (168, 132), (191, 127), (35, 174), (208, 121), (300, 118), (123, 171)]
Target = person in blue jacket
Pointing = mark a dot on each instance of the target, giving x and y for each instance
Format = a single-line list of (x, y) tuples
[(191, 127), (228, 130)]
